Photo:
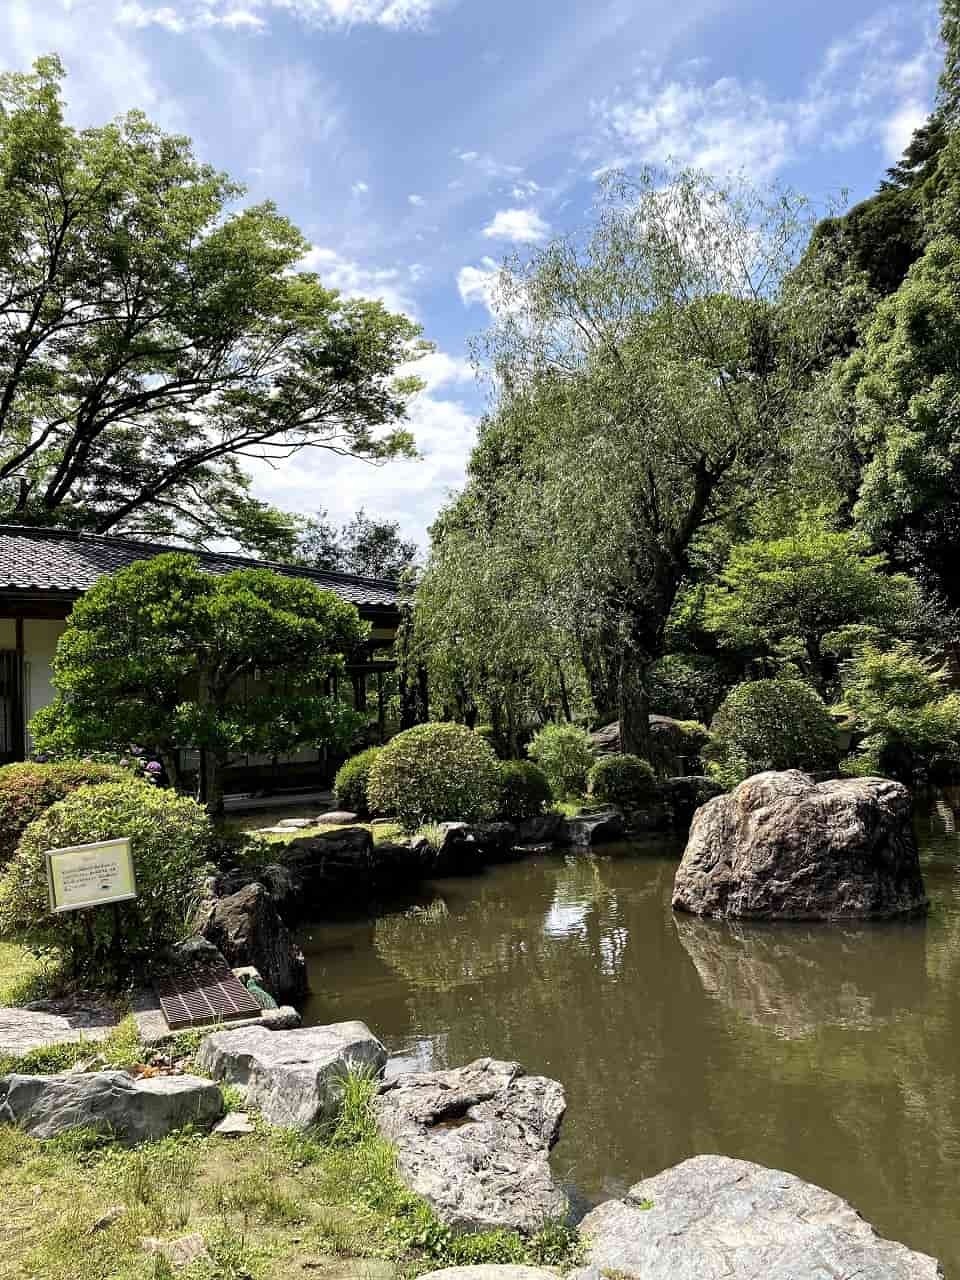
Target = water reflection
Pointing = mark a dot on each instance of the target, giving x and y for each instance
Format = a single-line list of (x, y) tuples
[(828, 1051)]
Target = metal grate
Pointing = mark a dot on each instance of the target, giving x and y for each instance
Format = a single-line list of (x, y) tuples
[(199, 995)]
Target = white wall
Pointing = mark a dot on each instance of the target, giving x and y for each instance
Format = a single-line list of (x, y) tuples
[(40, 636)]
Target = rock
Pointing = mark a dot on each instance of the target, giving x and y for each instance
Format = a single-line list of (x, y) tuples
[(235, 1125), (179, 1253), (591, 829), (783, 847), (23, 1030), (338, 818), (294, 1077), (335, 866), (474, 1143), (286, 1018), (194, 951), (247, 929), (493, 1273), (682, 797), (712, 1216), (109, 1102), (107, 1219), (295, 824), (544, 829)]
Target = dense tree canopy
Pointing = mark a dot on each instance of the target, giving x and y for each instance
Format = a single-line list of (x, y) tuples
[(153, 334)]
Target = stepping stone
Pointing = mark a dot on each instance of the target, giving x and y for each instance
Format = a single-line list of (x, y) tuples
[(338, 818), (294, 1077), (24, 1030), (235, 1125), (134, 1109)]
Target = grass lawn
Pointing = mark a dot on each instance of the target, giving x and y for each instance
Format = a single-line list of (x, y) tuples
[(22, 976), (272, 1206)]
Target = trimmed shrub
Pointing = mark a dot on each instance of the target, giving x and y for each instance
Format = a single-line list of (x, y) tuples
[(626, 781), (565, 754), (771, 724), (434, 773), (350, 784), (687, 686), (524, 791), (171, 837), (28, 790)]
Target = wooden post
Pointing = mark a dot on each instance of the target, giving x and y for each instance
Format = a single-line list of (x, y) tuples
[(381, 710)]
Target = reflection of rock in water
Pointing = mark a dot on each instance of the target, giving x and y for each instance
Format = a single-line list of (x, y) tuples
[(793, 979)]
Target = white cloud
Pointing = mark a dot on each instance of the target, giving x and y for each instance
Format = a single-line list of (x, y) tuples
[(191, 15), (487, 164), (479, 284), (389, 284), (521, 226), (874, 85), (438, 369), (525, 190), (359, 189), (417, 201)]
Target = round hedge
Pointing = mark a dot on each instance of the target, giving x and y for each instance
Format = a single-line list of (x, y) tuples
[(626, 781), (433, 773), (28, 790), (770, 724), (171, 838), (350, 784), (565, 754), (524, 791)]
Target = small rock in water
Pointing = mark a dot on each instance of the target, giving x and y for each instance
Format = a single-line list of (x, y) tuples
[(180, 1253), (235, 1125)]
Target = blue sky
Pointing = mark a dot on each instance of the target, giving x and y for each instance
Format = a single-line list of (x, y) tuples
[(418, 142)]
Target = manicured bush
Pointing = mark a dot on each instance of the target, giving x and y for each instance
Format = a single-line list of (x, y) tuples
[(28, 790), (687, 686), (524, 791), (565, 754), (626, 781), (771, 724), (350, 784), (433, 773), (171, 838)]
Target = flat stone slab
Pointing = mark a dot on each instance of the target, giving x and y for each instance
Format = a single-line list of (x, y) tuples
[(474, 1143), (493, 1273), (713, 1218), (23, 1030), (109, 1102), (338, 818), (294, 1077), (235, 1125)]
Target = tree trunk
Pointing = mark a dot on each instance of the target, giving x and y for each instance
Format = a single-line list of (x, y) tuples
[(633, 702)]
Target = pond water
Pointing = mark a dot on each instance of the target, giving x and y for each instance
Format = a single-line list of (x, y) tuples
[(830, 1051)]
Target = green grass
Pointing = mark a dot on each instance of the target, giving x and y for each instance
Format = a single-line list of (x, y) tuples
[(271, 1206), (23, 976)]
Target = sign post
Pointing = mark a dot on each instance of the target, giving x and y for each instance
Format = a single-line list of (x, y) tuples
[(90, 875)]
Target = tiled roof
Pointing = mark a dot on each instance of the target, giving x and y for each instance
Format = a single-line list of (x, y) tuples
[(61, 561)]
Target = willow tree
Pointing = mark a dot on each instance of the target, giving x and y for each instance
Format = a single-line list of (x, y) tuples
[(657, 370)]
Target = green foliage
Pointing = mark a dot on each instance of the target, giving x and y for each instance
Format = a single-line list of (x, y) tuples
[(771, 724), (687, 686), (623, 780), (350, 784), (800, 598), (364, 546), (432, 773), (136, 294), (565, 754), (28, 790), (524, 791), (171, 837), (163, 653), (902, 705)]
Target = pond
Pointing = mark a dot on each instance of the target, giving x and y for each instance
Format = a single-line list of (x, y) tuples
[(829, 1051)]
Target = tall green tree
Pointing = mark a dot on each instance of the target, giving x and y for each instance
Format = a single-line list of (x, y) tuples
[(653, 376), (176, 659), (365, 545), (153, 335)]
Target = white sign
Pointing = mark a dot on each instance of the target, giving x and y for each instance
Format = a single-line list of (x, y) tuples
[(90, 875)]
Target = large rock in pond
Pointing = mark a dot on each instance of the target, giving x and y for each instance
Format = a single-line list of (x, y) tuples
[(294, 1077), (783, 847), (712, 1217), (344, 865), (590, 829), (108, 1102), (247, 929), (474, 1143)]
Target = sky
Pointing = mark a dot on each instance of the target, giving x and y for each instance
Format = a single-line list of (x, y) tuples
[(417, 143)]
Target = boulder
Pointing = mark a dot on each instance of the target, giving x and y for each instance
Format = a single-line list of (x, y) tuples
[(474, 1143), (24, 1030), (713, 1217), (109, 1102), (543, 829), (337, 818), (294, 1077), (589, 829), (783, 847), (246, 927), (344, 865)]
